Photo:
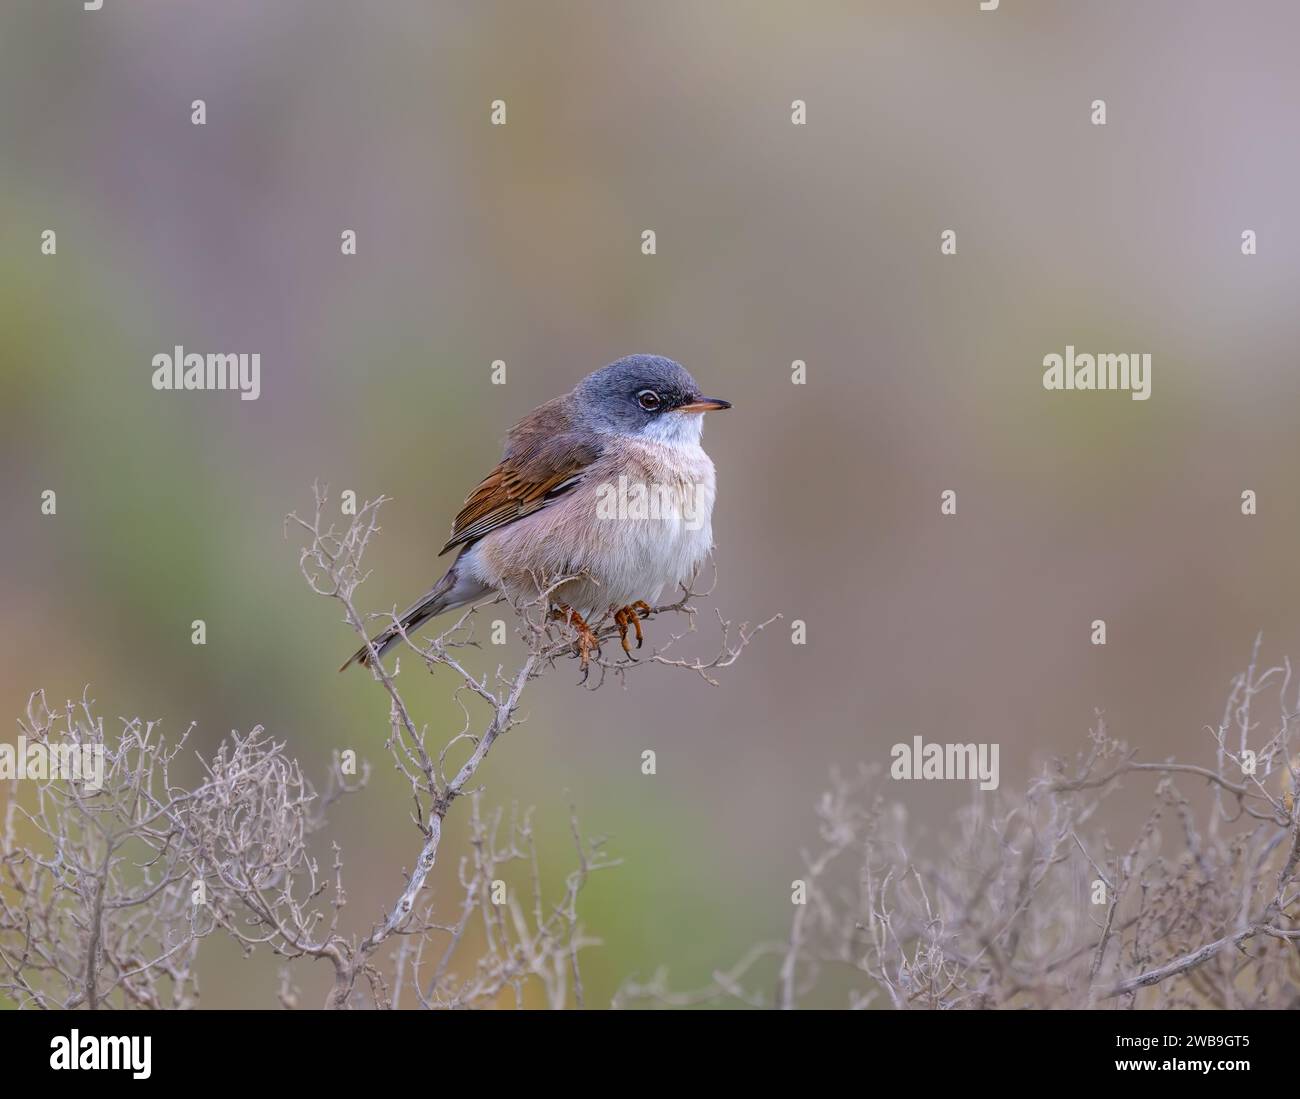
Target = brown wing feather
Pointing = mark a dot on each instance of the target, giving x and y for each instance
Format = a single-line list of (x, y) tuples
[(543, 460)]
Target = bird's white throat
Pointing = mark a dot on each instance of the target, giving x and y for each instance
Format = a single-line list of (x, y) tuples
[(674, 429)]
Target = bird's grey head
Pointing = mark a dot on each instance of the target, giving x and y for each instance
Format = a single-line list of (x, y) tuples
[(645, 395)]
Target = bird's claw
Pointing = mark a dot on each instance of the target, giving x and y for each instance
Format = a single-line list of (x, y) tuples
[(587, 641), (631, 615)]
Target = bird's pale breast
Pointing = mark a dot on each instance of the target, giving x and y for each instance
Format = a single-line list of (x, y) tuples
[(638, 524)]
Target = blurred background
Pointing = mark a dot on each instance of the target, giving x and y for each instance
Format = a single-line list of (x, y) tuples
[(775, 242)]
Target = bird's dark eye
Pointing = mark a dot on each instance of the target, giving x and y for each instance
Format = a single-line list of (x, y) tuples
[(648, 399)]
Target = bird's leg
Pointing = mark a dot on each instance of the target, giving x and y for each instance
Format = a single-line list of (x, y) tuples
[(632, 615), (587, 642), (621, 619)]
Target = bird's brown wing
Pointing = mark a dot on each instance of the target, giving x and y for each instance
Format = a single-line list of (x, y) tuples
[(543, 461)]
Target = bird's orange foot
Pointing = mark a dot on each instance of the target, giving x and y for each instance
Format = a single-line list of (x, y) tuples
[(587, 642), (631, 615)]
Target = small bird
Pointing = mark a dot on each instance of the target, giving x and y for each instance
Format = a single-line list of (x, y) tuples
[(607, 485)]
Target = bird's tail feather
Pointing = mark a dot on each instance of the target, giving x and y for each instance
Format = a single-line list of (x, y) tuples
[(437, 600)]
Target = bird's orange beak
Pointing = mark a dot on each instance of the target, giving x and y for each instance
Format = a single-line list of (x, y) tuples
[(704, 404)]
